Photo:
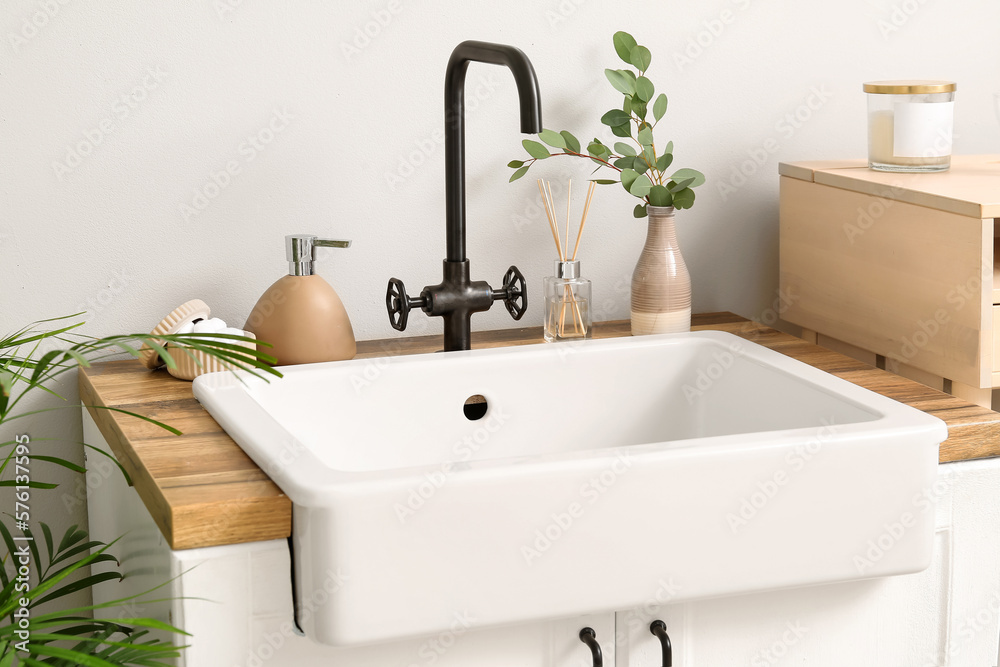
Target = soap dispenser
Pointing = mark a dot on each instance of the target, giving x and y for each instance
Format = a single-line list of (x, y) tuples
[(301, 315)]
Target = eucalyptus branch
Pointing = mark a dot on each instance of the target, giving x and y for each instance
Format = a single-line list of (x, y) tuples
[(643, 173), (604, 163)]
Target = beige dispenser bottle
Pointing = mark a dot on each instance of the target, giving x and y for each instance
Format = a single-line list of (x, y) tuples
[(301, 315)]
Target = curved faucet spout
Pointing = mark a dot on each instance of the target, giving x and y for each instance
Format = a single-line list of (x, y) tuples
[(456, 298), (454, 109)]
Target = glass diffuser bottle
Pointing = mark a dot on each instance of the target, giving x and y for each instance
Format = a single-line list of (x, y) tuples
[(567, 303)]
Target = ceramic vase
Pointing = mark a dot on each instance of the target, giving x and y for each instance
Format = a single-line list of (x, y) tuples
[(661, 285)]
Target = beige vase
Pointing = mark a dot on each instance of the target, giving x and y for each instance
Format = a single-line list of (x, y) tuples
[(661, 285)]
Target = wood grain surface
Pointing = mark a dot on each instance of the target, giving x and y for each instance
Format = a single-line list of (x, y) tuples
[(897, 279), (970, 188), (202, 490)]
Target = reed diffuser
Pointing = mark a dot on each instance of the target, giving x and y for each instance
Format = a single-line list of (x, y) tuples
[(567, 295)]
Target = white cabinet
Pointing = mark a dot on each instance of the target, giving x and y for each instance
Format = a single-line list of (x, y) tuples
[(947, 616), (238, 603), (249, 622)]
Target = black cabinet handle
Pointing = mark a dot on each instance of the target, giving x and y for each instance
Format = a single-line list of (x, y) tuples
[(659, 628), (589, 637)]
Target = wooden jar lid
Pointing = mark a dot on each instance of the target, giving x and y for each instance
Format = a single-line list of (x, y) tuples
[(187, 312)]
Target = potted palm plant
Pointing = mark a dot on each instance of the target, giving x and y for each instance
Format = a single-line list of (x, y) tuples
[(39, 568)]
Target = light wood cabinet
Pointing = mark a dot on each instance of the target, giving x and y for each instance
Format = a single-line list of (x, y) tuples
[(899, 266)]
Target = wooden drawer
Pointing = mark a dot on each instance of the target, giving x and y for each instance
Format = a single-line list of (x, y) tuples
[(996, 340), (907, 282), (996, 263)]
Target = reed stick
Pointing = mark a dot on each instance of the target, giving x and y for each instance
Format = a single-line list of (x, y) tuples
[(555, 219), (562, 314), (569, 201), (579, 315), (583, 220), (552, 224)]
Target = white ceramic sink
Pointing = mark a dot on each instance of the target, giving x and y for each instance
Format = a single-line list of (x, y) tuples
[(605, 475)]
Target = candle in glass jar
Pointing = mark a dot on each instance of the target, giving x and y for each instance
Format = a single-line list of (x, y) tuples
[(910, 125)]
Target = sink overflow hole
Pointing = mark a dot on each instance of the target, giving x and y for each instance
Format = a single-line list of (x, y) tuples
[(475, 407)]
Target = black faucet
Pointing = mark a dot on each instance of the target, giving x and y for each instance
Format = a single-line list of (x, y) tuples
[(457, 297)]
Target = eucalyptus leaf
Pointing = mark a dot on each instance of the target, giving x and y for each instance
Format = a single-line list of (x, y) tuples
[(640, 187), (626, 162), (622, 83), (644, 89), (627, 104), (669, 148), (518, 174), (597, 150), (684, 198), (615, 118), (572, 143), (660, 106), (535, 149), (640, 58), (628, 177), (681, 174), (514, 164), (640, 165), (659, 195), (624, 149), (677, 186), (645, 136), (639, 211), (639, 108), (623, 131), (624, 43), (552, 138), (604, 181), (663, 162)]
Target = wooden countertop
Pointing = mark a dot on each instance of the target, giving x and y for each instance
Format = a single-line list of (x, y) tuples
[(970, 188), (202, 490)]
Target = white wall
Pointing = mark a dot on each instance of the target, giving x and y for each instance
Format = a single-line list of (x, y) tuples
[(110, 233)]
